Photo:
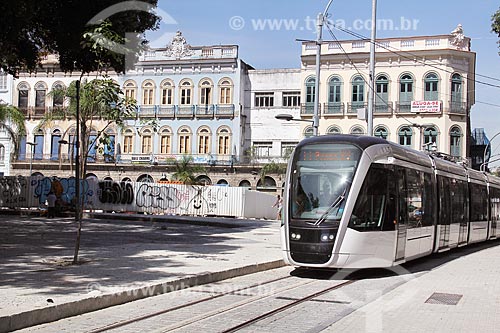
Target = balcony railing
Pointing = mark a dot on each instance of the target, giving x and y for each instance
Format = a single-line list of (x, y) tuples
[(185, 111), (458, 107), (205, 111), (147, 111), (352, 108), (224, 111), (166, 111), (384, 108), (334, 109), (403, 107), (307, 109)]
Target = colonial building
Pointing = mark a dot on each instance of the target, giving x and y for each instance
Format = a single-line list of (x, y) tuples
[(190, 103), (424, 89)]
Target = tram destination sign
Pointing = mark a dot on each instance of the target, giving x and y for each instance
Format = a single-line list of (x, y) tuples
[(426, 106)]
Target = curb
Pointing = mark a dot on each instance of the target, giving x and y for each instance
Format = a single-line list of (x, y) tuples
[(53, 313)]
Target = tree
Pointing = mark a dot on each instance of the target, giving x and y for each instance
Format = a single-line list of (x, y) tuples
[(495, 23), (84, 35), (33, 28), (12, 120), (185, 170), (101, 101)]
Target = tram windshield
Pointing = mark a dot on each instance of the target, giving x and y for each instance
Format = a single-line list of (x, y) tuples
[(321, 179)]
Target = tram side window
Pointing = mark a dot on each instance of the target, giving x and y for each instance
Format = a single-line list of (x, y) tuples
[(444, 200), (479, 203), (414, 186), (458, 201), (495, 204), (428, 201), (375, 206)]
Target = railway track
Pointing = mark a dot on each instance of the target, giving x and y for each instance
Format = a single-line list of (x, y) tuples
[(277, 287)]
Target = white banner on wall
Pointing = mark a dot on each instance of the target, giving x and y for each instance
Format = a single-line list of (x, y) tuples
[(426, 106)]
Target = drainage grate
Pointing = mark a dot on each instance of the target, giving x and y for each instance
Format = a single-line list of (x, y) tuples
[(444, 299)]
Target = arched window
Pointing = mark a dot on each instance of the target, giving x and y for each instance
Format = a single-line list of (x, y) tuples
[(109, 145), (381, 132), (130, 88), (334, 96), (128, 139), (358, 92), (148, 93), (146, 141), (39, 139), (2, 154), (405, 135), (54, 150), (431, 83), (40, 94), (225, 91), (357, 130), (382, 90), (186, 93), (455, 141), (165, 141), (206, 92), (167, 92), (245, 183), (405, 93), (430, 136), (145, 179), (23, 89), (335, 90), (223, 141), (184, 140), (310, 90), (58, 95), (456, 93), (204, 140), (333, 130)]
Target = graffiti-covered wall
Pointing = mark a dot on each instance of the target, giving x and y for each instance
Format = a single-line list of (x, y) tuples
[(26, 192)]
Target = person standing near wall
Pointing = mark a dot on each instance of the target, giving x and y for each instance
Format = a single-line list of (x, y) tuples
[(51, 201), (279, 204)]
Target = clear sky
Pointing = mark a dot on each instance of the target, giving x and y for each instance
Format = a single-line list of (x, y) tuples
[(266, 32)]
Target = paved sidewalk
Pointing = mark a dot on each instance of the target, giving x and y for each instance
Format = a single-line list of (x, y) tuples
[(122, 260), (457, 291)]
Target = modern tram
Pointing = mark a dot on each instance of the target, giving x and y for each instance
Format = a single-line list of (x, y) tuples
[(364, 202)]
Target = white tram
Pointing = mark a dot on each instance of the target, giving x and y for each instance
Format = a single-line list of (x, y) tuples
[(358, 201)]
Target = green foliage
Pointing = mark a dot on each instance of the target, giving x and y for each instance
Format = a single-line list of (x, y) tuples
[(32, 28), (12, 120), (495, 23), (272, 167), (186, 170), (100, 100)]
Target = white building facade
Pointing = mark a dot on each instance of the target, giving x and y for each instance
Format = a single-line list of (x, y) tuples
[(273, 92), (424, 90)]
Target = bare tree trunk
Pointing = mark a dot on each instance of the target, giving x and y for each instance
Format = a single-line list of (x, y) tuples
[(78, 218)]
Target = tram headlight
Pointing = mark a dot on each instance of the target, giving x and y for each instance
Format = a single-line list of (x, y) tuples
[(327, 237), (295, 236)]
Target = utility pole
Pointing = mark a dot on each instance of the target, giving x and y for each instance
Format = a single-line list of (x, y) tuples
[(371, 96), (319, 41)]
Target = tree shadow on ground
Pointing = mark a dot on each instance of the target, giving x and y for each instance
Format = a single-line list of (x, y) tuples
[(36, 252)]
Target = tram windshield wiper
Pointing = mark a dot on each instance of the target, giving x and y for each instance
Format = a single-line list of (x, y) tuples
[(334, 204)]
